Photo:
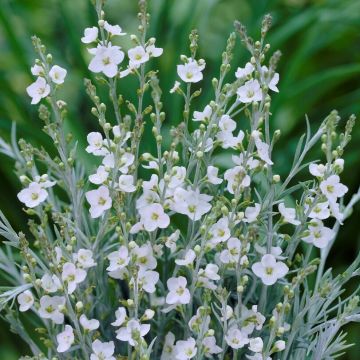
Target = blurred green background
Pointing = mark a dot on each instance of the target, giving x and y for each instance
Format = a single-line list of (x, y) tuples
[(319, 71)]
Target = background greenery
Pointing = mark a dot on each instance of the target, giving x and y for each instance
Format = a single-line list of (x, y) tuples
[(319, 71)]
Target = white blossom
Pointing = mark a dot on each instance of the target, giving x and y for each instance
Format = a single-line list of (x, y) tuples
[(65, 339), (72, 276), (203, 115), (50, 283), (120, 315), (191, 72), (235, 178), (50, 308), (235, 338), (89, 324), (269, 270), (178, 292), (144, 257), (232, 253), (219, 232), (185, 349), (332, 188), (188, 259), (168, 352), (114, 30), (172, 239), (132, 332), (138, 56), (25, 300), (33, 195), (317, 170), (90, 35), (84, 259), (153, 217), (243, 72), (154, 51), (250, 92), (212, 175), (256, 344), (288, 214), (191, 203), (102, 350), (148, 279), (118, 259), (99, 201), (38, 90), (106, 59), (57, 74), (227, 124), (319, 235), (210, 347), (100, 176), (96, 144), (126, 183), (251, 213)]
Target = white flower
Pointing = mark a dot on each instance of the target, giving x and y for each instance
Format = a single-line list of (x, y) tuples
[(319, 235), (102, 350), (191, 203), (50, 308), (25, 300), (99, 201), (227, 124), (219, 232), (191, 72), (252, 319), (153, 217), (279, 345), (273, 81), (178, 292), (175, 87), (188, 259), (203, 115), (250, 92), (106, 59), (100, 176), (288, 214), (126, 160), (208, 275), (84, 258), (144, 257), (38, 90), (113, 29), (33, 195), (317, 170), (37, 70), (177, 176), (65, 339), (232, 253), (96, 144), (185, 349), (251, 213), (90, 35), (147, 280), (171, 240), (118, 259), (126, 183), (212, 175), (235, 338), (50, 283), (44, 181), (235, 178), (269, 270), (72, 276), (319, 210), (138, 56), (256, 344), (89, 324), (169, 348), (243, 72), (262, 148), (154, 51), (57, 74), (120, 315), (332, 188), (210, 347), (133, 332)]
